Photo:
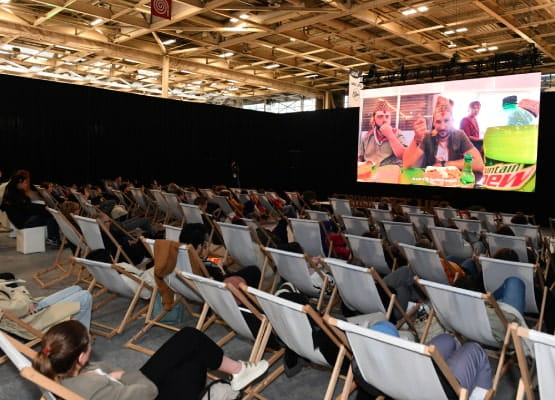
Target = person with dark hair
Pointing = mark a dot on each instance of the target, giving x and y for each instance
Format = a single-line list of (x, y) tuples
[(519, 218), (23, 213), (176, 370), (469, 125)]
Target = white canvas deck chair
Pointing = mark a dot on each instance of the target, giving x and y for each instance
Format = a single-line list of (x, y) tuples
[(115, 282), (316, 215), (172, 232), (142, 202), (379, 215), (407, 209), (451, 242), (531, 232), (87, 208), (421, 223), (48, 199), (64, 267), (425, 263), (495, 271), (464, 313), (399, 368), (223, 203), (472, 226), (357, 287), (489, 219), (183, 293), (307, 234), (543, 345), (296, 200), (445, 215), (176, 212), (21, 357), (270, 209), (297, 268), (242, 244), (355, 225), (208, 193), (291, 323), (193, 215), (399, 232), (370, 251), (340, 208), (495, 242), (162, 209), (191, 196), (91, 230)]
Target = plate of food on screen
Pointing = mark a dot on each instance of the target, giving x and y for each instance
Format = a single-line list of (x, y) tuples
[(442, 176)]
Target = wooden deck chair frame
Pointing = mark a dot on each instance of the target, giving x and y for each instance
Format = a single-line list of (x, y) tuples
[(451, 242), (468, 324), (20, 355), (142, 202), (110, 291), (276, 309), (37, 335), (371, 252), (382, 358), (184, 293), (544, 349), (399, 232)]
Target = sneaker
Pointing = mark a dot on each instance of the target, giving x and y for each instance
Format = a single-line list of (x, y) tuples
[(249, 372), (55, 243), (286, 287), (293, 363)]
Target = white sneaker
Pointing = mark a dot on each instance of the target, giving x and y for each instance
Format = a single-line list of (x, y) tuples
[(248, 373)]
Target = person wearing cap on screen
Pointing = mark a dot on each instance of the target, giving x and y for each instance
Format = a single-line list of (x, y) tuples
[(382, 144), (444, 145)]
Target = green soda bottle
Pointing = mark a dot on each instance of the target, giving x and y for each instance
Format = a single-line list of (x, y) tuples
[(467, 176)]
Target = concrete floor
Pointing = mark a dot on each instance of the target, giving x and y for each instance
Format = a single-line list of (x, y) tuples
[(309, 384)]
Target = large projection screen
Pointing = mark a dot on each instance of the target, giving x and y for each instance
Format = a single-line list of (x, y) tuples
[(493, 119)]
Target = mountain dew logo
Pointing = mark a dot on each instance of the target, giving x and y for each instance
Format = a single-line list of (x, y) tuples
[(510, 177)]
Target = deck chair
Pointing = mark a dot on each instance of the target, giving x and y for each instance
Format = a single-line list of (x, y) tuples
[(292, 324), (421, 223), (495, 242), (115, 282), (193, 215), (142, 202), (296, 200), (340, 207), (208, 193), (489, 220), (48, 198), (371, 252), (174, 207), (307, 234), (543, 345), (425, 263), (242, 244), (29, 336), (445, 215), (358, 289), (399, 232), (464, 313), (379, 216), (172, 232), (495, 271), (183, 293), (407, 209), (20, 356), (505, 218), (190, 196), (223, 204), (162, 209), (355, 225), (315, 215), (531, 232), (399, 368), (87, 208), (297, 268), (270, 209), (451, 242), (64, 267), (472, 226), (91, 229)]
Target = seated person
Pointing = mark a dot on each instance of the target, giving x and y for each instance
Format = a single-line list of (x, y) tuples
[(17, 300), (177, 370)]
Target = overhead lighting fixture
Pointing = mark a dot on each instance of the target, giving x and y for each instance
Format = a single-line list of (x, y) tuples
[(292, 39), (449, 32), (451, 45), (311, 76), (480, 50), (97, 21), (271, 66), (169, 41), (226, 54), (409, 11), (233, 20), (461, 30), (422, 8), (4, 1), (493, 48), (244, 16)]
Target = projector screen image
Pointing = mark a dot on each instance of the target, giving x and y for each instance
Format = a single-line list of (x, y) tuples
[(474, 133)]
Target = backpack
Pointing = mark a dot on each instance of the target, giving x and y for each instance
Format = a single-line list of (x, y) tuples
[(219, 390)]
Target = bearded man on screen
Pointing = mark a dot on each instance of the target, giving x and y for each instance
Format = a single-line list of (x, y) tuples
[(382, 144), (444, 145)]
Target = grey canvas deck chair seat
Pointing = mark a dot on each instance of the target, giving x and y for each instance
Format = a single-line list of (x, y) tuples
[(495, 271), (63, 266), (451, 242), (399, 368), (496, 241), (297, 268), (531, 232), (445, 215), (142, 202), (48, 198), (399, 232), (176, 212), (182, 293), (273, 212), (307, 233), (465, 313), (488, 219), (355, 225), (371, 252), (172, 232), (316, 215), (425, 263), (115, 282), (91, 230), (162, 208), (21, 357), (296, 200), (421, 223), (340, 208), (543, 345), (291, 323), (408, 209), (379, 215), (223, 204), (472, 226)]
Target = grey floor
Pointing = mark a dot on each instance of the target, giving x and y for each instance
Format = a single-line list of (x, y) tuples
[(309, 384)]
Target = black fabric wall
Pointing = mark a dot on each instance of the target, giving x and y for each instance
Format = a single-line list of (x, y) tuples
[(76, 134)]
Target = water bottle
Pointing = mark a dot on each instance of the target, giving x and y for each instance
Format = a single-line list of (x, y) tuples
[(467, 176), (516, 115)]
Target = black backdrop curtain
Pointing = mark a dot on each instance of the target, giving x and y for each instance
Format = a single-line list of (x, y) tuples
[(77, 134)]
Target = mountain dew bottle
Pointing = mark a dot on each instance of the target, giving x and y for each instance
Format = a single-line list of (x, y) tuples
[(510, 151)]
